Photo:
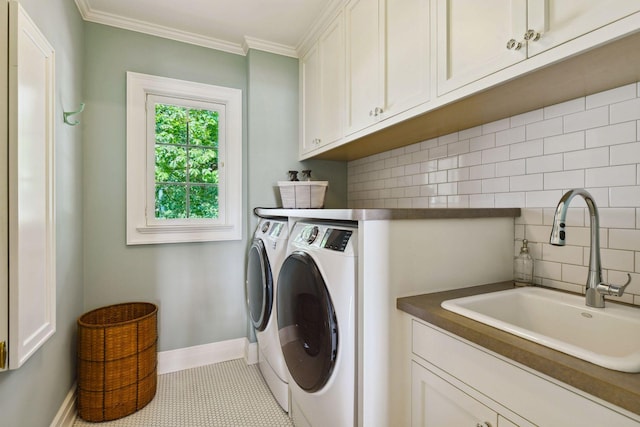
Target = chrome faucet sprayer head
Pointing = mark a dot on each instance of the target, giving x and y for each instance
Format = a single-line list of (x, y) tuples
[(558, 234)]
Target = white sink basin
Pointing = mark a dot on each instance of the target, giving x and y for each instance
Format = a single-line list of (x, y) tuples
[(609, 337)]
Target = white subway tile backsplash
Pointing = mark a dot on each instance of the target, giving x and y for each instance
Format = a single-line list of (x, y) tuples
[(625, 154), (526, 118), (526, 182), (482, 171), (569, 107), (561, 143), (470, 133), (470, 159), (560, 180), (587, 119), (624, 239), (513, 167), (493, 155), (526, 149), (510, 136), (542, 199), (585, 159), (509, 200), (617, 259), (549, 163), (495, 185), (612, 176), (625, 111), (625, 197), (496, 126), (544, 128), (611, 135), (482, 142), (529, 161), (481, 201), (607, 97)]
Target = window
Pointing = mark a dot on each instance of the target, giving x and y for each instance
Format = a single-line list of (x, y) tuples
[(184, 159)]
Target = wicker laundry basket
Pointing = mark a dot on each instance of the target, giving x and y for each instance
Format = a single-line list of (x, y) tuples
[(117, 360)]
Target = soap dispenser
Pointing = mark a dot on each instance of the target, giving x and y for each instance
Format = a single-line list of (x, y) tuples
[(523, 266)]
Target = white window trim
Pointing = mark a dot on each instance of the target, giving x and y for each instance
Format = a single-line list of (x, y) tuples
[(140, 230)]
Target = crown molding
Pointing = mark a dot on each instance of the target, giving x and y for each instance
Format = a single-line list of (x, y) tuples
[(328, 13), (91, 15)]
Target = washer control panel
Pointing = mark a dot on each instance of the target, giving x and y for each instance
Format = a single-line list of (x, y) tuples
[(336, 239)]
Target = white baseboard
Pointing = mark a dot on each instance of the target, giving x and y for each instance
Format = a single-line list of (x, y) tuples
[(67, 413), (200, 355), (176, 360)]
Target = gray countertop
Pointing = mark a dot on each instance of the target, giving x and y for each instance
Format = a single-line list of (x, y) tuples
[(387, 214), (620, 388)]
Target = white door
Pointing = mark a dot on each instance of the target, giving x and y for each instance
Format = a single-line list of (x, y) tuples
[(558, 21), (364, 70), (332, 81), (436, 403), (310, 87), (32, 296), (407, 58), (4, 187), (473, 38)]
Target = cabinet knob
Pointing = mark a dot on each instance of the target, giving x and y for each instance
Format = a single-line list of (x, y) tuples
[(376, 112), (514, 45), (484, 424), (532, 36)]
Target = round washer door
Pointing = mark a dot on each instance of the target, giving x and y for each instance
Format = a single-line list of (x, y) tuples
[(259, 285), (308, 328)]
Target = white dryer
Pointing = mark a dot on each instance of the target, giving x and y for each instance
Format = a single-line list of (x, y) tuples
[(316, 305), (267, 252)]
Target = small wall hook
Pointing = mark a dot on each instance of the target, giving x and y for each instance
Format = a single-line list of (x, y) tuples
[(66, 115)]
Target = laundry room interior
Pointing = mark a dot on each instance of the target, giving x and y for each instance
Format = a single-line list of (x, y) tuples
[(344, 212)]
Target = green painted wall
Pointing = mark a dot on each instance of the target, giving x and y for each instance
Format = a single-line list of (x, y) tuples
[(31, 395), (199, 287)]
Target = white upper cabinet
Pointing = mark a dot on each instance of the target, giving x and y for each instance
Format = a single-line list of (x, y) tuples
[(477, 38), (364, 59), (407, 55), (322, 73), (558, 21), (388, 59)]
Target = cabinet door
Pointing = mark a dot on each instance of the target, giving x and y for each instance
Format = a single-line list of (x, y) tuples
[(558, 21), (473, 36), (4, 187), (332, 79), (32, 286), (407, 55), (435, 403), (310, 94), (364, 80)]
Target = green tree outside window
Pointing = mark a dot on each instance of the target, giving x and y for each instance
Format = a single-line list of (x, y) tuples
[(186, 157)]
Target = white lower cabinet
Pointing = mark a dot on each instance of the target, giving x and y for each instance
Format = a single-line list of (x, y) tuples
[(435, 402), (456, 383)]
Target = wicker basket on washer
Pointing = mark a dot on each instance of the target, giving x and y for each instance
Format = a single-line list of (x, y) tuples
[(117, 360)]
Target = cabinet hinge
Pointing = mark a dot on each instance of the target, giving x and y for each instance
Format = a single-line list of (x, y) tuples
[(3, 354)]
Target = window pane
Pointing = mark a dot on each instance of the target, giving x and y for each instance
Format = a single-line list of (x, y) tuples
[(171, 124), (171, 201), (203, 128), (203, 201), (203, 166), (171, 163)]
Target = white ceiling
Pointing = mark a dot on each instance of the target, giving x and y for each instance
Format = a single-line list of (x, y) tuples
[(278, 26)]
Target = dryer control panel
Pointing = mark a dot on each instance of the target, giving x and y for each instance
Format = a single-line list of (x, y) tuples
[(336, 239)]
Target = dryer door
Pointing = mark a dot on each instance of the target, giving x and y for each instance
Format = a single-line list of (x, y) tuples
[(308, 329), (259, 285)]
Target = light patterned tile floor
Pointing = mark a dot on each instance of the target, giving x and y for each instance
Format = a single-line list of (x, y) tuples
[(229, 394)]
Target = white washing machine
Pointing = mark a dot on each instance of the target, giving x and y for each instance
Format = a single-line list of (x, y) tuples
[(265, 258), (316, 305)]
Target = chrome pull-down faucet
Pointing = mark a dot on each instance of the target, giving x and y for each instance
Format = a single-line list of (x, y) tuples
[(596, 289)]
